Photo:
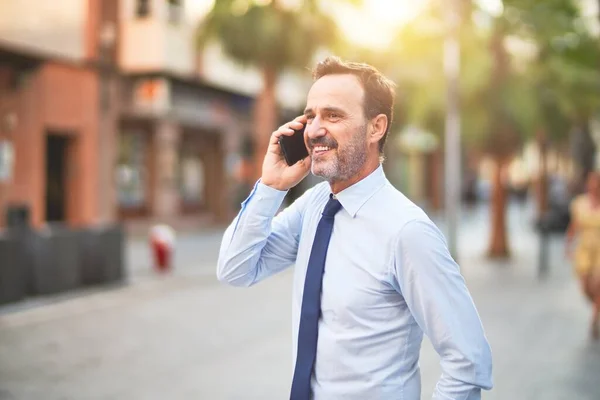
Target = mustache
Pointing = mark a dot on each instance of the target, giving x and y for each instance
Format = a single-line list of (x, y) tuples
[(322, 141)]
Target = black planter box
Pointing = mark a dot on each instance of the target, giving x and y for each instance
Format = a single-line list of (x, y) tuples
[(13, 274), (56, 266), (101, 255), (58, 259), (114, 238)]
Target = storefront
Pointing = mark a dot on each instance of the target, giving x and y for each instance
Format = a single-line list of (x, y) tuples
[(178, 142)]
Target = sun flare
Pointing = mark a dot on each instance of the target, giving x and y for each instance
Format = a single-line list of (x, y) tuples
[(374, 24)]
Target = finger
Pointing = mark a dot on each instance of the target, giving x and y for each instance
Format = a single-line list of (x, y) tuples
[(303, 167), (301, 118), (296, 123), (275, 148), (278, 133), (303, 164), (287, 129)]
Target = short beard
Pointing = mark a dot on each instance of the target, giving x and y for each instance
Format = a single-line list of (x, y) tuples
[(348, 161)]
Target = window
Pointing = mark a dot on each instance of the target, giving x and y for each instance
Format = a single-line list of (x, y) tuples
[(142, 8), (191, 177), (175, 11), (131, 170)]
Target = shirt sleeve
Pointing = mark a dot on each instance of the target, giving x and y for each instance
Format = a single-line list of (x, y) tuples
[(438, 298), (259, 244)]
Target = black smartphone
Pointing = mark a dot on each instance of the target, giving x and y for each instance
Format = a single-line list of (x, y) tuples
[(293, 147)]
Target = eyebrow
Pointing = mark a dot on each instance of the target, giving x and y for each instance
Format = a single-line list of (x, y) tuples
[(327, 109)]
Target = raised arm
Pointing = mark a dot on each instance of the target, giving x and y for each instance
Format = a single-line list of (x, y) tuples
[(257, 244)]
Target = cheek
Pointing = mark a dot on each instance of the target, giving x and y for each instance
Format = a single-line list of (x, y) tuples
[(342, 134)]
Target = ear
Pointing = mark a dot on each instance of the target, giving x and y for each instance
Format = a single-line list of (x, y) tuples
[(379, 125)]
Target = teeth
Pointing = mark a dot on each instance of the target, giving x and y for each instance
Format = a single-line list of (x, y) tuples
[(321, 148)]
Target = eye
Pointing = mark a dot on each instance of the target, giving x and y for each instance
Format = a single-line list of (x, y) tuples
[(334, 115), (309, 117)]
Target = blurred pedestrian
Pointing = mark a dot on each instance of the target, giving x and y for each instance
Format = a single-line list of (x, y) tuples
[(372, 272), (583, 245)]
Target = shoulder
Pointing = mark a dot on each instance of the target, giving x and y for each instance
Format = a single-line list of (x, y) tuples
[(412, 226), (420, 232), (398, 219), (398, 209)]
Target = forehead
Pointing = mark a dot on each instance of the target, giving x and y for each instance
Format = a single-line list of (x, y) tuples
[(343, 90)]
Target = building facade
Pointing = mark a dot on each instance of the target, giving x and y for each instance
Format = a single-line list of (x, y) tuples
[(52, 152), (175, 130), (108, 113)]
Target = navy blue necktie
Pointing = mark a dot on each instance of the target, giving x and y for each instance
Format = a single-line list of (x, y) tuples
[(311, 304)]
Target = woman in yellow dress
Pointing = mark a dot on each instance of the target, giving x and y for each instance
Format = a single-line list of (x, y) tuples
[(584, 234)]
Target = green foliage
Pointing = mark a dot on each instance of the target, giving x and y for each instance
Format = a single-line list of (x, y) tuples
[(545, 75), (265, 34), (547, 80)]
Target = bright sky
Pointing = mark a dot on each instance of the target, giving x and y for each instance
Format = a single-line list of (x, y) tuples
[(373, 24)]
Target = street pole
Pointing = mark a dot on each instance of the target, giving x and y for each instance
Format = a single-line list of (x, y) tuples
[(452, 133)]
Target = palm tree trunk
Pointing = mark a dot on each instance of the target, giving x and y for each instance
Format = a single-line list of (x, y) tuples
[(498, 240), (500, 146), (265, 117)]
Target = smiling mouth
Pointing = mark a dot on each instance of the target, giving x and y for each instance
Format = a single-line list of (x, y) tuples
[(319, 150)]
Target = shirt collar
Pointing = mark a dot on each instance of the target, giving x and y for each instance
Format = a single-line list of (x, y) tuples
[(354, 197)]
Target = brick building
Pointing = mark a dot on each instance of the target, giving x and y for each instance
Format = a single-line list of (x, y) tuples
[(107, 113), (53, 155)]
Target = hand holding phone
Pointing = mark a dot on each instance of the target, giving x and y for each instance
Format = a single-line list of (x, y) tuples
[(293, 147), (286, 162)]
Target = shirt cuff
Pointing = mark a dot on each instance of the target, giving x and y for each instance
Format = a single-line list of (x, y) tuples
[(267, 199)]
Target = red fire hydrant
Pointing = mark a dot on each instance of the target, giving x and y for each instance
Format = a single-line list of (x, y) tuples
[(162, 243)]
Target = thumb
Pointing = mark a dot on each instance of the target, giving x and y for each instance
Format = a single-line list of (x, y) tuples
[(303, 164)]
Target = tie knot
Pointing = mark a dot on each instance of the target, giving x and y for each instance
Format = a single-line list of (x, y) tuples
[(332, 207)]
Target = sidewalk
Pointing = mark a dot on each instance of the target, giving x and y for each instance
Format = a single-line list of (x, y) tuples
[(185, 336), (195, 253)]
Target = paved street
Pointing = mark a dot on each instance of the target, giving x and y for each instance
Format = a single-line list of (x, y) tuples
[(186, 336)]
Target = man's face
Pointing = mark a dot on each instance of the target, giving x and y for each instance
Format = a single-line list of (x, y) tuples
[(336, 129)]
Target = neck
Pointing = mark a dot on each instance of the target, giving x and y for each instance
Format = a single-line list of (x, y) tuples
[(366, 170)]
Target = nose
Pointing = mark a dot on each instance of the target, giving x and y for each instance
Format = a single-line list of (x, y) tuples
[(315, 129)]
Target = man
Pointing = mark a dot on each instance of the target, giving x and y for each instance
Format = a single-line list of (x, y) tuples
[(372, 272)]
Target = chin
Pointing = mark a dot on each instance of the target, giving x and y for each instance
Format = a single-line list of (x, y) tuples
[(322, 171)]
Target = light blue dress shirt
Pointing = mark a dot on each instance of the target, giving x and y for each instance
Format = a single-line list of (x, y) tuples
[(388, 279)]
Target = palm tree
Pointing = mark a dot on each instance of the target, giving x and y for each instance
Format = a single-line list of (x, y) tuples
[(503, 99), (272, 38)]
